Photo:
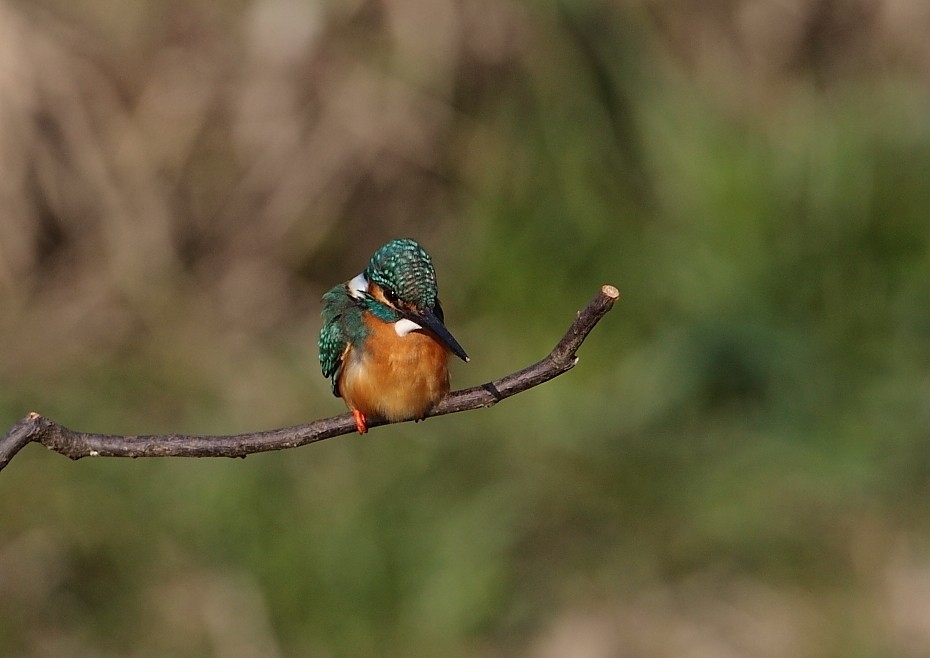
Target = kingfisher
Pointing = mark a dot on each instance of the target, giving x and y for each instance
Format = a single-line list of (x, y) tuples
[(384, 343)]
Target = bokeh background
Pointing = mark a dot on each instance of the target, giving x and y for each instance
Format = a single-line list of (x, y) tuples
[(739, 466)]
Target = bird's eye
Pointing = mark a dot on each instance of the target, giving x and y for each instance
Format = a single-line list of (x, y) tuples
[(391, 296)]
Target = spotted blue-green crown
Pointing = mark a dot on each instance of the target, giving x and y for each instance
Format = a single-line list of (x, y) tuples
[(403, 267)]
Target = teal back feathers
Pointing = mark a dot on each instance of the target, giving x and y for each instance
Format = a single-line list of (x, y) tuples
[(342, 324)]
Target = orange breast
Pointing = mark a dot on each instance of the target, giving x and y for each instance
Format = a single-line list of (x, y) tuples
[(394, 377)]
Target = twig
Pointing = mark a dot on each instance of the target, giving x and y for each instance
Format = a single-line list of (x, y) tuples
[(37, 428)]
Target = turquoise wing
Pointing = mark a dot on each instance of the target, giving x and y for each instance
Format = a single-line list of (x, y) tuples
[(333, 337)]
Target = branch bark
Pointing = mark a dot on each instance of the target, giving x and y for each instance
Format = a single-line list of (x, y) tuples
[(39, 429)]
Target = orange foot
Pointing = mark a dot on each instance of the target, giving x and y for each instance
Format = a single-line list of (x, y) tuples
[(359, 421)]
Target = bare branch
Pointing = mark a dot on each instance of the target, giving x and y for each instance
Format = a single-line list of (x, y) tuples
[(37, 428)]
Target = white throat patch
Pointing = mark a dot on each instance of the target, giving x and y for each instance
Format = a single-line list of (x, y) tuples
[(405, 326), (357, 287)]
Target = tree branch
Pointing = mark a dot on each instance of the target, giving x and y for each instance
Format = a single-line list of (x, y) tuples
[(37, 428)]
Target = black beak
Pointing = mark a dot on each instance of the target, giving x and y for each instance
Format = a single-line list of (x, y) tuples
[(426, 318)]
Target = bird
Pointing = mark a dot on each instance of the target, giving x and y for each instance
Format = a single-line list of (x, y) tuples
[(384, 342)]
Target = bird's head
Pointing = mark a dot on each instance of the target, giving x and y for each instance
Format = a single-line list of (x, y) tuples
[(400, 281)]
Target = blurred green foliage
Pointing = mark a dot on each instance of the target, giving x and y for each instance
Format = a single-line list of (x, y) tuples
[(739, 464)]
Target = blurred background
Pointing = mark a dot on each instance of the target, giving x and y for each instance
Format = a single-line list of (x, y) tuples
[(740, 464)]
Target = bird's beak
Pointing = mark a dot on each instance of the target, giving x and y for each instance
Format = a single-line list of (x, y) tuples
[(426, 318)]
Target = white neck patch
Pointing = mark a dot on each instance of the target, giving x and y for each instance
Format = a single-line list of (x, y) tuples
[(405, 326), (357, 287)]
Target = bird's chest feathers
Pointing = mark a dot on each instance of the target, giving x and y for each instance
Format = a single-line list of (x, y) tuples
[(398, 372), (401, 347)]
